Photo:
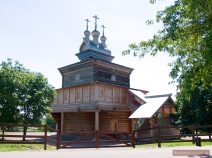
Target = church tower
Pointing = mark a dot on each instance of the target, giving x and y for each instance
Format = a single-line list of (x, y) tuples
[(95, 63), (95, 93)]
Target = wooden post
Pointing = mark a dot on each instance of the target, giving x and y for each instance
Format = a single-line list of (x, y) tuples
[(97, 139), (58, 139), (158, 134), (45, 139), (96, 120), (61, 122), (25, 127), (2, 133), (132, 124), (133, 133), (133, 138), (193, 135), (97, 128)]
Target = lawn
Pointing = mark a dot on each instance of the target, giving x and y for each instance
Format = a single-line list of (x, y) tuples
[(36, 147), (24, 147), (172, 144)]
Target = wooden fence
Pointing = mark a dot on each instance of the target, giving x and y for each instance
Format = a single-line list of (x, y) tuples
[(163, 134), (94, 139), (98, 139), (14, 134)]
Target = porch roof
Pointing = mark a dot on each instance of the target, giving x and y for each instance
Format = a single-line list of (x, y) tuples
[(151, 106)]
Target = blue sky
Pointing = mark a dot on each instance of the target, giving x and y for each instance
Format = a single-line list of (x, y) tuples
[(44, 35)]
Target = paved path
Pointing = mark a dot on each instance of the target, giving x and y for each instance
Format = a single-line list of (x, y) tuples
[(164, 152)]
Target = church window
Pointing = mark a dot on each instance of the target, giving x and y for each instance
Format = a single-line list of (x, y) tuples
[(113, 78), (101, 93), (77, 77)]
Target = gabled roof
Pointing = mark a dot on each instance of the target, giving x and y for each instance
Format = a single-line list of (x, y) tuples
[(138, 96), (153, 104)]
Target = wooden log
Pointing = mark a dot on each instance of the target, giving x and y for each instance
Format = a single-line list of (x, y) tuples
[(45, 137), (193, 135), (159, 138), (58, 139), (96, 120), (2, 133), (62, 122), (133, 138)]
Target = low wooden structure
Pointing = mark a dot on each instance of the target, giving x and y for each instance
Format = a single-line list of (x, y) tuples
[(156, 112)]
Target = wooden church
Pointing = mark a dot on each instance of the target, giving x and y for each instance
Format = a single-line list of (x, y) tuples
[(95, 93)]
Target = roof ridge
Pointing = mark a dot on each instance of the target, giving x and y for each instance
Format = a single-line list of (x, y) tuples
[(157, 96)]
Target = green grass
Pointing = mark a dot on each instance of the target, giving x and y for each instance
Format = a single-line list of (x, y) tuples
[(173, 144), (37, 147), (23, 147)]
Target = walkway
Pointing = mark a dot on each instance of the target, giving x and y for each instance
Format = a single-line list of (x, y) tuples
[(164, 152)]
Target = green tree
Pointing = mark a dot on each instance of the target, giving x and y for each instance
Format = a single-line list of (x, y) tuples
[(187, 36), (26, 93), (49, 120), (9, 79)]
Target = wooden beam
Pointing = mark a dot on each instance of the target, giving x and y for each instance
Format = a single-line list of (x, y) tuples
[(133, 124), (96, 93), (96, 120), (62, 122)]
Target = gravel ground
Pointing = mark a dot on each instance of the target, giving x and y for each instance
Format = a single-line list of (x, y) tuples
[(164, 152)]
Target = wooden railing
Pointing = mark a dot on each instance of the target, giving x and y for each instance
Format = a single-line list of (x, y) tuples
[(14, 134), (162, 134), (94, 139)]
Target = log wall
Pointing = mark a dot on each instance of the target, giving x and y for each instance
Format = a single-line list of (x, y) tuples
[(92, 93), (115, 121), (85, 121)]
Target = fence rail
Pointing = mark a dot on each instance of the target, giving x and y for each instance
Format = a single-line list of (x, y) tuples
[(93, 139), (161, 134), (11, 134), (97, 139)]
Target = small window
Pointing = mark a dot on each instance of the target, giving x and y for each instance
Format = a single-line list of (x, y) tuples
[(101, 93), (113, 78), (77, 77), (78, 95)]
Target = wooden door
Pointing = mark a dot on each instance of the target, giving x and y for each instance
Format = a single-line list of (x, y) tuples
[(114, 126)]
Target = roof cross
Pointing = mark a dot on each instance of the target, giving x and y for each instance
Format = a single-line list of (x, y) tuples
[(87, 20), (96, 18), (103, 29)]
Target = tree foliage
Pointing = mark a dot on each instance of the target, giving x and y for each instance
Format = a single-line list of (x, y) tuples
[(49, 120), (25, 97), (187, 36)]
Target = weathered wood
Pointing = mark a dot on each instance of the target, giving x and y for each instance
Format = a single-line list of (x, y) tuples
[(158, 137), (133, 138), (111, 121), (13, 137), (96, 120), (79, 121), (2, 133), (45, 137), (58, 140), (62, 122), (92, 93), (86, 98), (91, 86), (193, 135), (94, 71)]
